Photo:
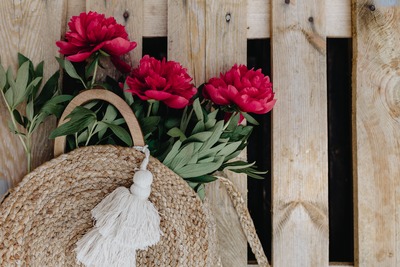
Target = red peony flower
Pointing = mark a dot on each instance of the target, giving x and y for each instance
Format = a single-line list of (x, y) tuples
[(247, 90), (91, 32), (165, 81)]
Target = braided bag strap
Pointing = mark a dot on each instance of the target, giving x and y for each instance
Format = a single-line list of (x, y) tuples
[(246, 221)]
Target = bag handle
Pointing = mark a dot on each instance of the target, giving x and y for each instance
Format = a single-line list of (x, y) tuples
[(108, 96), (246, 222)]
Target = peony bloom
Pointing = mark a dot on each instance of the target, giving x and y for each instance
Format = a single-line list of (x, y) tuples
[(91, 32), (241, 88), (165, 81)]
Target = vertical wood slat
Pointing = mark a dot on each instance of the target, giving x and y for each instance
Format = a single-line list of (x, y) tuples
[(187, 36), (300, 163), (37, 43), (133, 23), (226, 44), (376, 128)]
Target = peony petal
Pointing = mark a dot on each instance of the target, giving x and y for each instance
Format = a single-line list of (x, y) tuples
[(157, 95), (118, 46), (215, 95), (176, 102), (79, 57), (66, 48)]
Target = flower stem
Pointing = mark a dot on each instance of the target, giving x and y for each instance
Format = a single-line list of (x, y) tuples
[(96, 64), (149, 108), (23, 142), (90, 133)]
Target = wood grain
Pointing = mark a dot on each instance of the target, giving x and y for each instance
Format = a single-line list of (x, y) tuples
[(376, 85), (226, 44), (258, 18), (187, 36), (300, 161), (31, 28)]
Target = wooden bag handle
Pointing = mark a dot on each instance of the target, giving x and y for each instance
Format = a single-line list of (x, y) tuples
[(101, 94)]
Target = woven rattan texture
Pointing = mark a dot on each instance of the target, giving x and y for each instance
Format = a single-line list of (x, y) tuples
[(43, 217)]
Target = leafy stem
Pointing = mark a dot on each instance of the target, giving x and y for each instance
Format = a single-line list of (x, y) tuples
[(91, 133), (96, 64)]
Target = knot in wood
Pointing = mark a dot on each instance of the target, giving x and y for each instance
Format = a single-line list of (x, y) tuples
[(228, 17), (126, 15)]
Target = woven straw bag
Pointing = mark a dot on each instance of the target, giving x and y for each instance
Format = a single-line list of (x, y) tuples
[(43, 217)]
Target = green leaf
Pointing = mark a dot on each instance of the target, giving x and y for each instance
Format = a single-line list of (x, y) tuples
[(217, 131), (121, 133), (199, 137), (249, 118), (202, 179), (9, 95), (235, 165), (49, 89), (39, 69), (28, 91), (229, 149), (21, 83), (176, 132), (194, 170), (70, 69), (199, 127), (128, 98), (29, 110), (54, 107), (197, 109), (90, 69), (171, 155), (80, 118), (18, 117), (22, 59), (149, 124), (183, 157), (10, 78), (111, 114), (3, 78)]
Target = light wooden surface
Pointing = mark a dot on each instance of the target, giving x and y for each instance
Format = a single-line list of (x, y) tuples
[(258, 18), (31, 28), (187, 43), (225, 41), (376, 87), (300, 160)]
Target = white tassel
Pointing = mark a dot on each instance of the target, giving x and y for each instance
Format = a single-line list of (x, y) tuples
[(125, 221)]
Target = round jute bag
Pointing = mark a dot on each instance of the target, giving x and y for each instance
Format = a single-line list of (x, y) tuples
[(43, 217)]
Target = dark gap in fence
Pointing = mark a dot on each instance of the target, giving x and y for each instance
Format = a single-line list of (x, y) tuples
[(259, 150), (155, 47), (341, 242)]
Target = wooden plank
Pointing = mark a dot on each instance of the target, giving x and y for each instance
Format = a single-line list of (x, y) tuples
[(31, 28), (258, 18), (226, 45), (300, 160), (155, 18), (187, 36), (128, 13), (338, 18), (376, 83)]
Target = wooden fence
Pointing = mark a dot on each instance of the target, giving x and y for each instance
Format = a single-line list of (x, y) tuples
[(209, 36)]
